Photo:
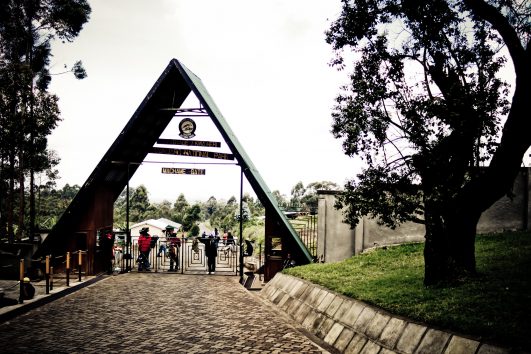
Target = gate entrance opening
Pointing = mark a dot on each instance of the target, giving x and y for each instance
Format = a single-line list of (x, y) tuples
[(92, 208), (188, 256)]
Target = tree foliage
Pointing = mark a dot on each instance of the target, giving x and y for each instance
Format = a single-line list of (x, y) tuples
[(28, 112), (193, 215), (51, 203), (424, 108), (305, 198)]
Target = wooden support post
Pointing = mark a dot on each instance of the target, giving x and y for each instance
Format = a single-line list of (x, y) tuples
[(51, 278), (21, 276), (47, 274), (67, 268), (79, 261)]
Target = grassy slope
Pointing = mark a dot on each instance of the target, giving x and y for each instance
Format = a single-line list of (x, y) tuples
[(496, 305)]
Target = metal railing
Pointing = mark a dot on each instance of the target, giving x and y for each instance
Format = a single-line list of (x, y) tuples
[(306, 227), (47, 266)]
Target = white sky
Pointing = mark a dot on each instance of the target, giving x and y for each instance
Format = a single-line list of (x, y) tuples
[(265, 64)]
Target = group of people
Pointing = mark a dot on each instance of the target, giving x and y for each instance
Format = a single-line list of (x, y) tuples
[(173, 243), (146, 242)]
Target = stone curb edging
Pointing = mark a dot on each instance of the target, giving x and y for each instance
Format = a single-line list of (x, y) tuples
[(352, 326)]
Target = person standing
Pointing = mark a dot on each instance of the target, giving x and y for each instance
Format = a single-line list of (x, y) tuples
[(107, 252), (118, 253), (144, 247), (211, 252), (175, 245)]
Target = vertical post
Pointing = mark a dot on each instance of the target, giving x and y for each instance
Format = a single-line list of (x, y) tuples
[(21, 276), (67, 268), (79, 261), (526, 210), (182, 250), (155, 256), (47, 274), (241, 224), (260, 261), (127, 231), (51, 278)]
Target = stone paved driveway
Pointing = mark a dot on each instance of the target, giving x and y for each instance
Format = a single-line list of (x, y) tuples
[(146, 313)]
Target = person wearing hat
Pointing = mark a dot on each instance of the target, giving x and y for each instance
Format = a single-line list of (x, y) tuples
[(144, 247), (28, 290)]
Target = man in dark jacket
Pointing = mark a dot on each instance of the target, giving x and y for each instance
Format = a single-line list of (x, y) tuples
[(107, 252), (211, 252)]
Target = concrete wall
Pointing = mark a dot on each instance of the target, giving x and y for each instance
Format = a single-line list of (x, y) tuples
[(510, 212), (336, 241)]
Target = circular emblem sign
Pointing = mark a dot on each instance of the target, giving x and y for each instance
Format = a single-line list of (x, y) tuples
[(187, 128)]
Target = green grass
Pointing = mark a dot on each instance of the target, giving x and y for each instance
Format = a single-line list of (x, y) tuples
[(495, 306)]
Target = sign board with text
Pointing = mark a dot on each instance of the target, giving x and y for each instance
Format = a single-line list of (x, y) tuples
[(183, 171), (192, 153), (189, 142)]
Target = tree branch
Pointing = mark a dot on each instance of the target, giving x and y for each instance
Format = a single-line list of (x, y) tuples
[(499, 22)]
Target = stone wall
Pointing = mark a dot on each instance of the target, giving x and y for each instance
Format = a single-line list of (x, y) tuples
[(337, 241), (351, 326)]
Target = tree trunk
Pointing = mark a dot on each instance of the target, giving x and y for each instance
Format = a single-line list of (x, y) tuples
[(21, 204), (436, 247), (449, 251), (11, 198), (436, 251), (32, 205), (3, 197), (461, 230)]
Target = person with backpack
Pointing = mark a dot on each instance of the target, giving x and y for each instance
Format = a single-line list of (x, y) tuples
[(174, 250)]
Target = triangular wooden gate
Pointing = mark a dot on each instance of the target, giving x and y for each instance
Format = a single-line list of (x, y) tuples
[(92, 208)]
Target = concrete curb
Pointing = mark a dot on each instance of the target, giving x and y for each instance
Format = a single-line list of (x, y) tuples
[(9, 312), (352, 326)]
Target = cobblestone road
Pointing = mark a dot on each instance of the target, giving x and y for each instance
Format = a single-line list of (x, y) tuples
[(146, 313)]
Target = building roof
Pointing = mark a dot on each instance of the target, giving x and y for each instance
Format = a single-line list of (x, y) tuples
[(158, 223)]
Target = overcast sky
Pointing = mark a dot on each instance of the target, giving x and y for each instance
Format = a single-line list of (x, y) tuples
[(265, 64)]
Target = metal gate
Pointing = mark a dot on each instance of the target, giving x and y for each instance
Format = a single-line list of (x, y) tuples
[(191, 258), (194, 259)]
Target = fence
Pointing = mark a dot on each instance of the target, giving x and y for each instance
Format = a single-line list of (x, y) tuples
[(16, 291), (306, 227)]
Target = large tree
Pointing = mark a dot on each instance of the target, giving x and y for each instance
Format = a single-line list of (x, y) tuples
[(424, 108), (309, 200), (28, 112), (139, 204)]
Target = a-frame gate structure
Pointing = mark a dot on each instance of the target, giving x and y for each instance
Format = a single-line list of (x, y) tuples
[(92, 208)]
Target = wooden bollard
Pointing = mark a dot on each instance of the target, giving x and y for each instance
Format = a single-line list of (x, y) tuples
[(51, 278), (47, 274), (79, 260), (67, 268), (21, 276)]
